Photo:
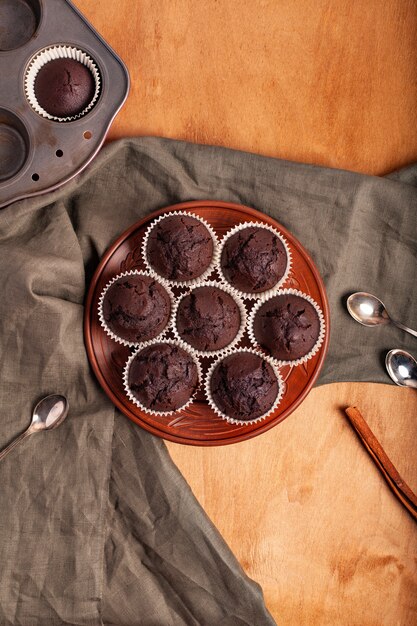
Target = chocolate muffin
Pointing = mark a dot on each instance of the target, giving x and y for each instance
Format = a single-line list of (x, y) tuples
[(136, 308), (163, 377), (64, 87), (208, 318), (179, 248), (243, 386), (253, 260), (287, 326)]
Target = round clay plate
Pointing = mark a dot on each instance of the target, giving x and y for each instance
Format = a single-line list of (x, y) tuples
[(198, 424)]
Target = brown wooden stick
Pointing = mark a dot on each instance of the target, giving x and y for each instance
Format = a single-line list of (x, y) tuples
[(371, 443)]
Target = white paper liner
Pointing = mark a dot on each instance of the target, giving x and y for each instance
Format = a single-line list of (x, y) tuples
[(108, 330), (134, 399), (184, 283), (59, 52), (319, 341), (243, 319), (231, 420), (268, 292)]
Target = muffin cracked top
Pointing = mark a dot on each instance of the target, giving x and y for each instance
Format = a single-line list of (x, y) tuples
[(179, 248), (208, 318), (287, 326), (136, 308), (163, 377), (253, 260), (243, 386)]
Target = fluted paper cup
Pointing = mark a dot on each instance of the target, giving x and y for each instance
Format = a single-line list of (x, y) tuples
[(181, 283), (248, 294), (136, 401), (320, 338), (232, 420), (50, 54), (241, 330), (109, 331)]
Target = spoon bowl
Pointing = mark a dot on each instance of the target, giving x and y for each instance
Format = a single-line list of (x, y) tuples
[(369, 310), (49, 413), (402, 367)]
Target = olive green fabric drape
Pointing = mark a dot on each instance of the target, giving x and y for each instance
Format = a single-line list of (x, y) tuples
[(97, 526)]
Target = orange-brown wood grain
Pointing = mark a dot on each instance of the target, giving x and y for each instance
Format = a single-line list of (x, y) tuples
[(330, 82), (308, 514)]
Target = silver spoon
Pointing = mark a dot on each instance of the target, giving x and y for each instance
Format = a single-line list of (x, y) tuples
[(370, 311), (49, 413), (402, 367)]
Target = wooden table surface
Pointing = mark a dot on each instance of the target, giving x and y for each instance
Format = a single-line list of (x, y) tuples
[(330, 82)]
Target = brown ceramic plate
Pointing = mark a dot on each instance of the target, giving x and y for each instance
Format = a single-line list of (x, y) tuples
[(197, 424)]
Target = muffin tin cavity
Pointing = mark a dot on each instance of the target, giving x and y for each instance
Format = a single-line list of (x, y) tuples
[(14, 145), (62, 83), (19, 20)]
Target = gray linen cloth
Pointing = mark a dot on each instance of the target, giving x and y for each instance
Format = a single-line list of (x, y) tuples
[(97, 526)]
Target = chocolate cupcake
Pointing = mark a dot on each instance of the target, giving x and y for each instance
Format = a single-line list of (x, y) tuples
[(288, 326), (62, 83), (64, 87), (254, 259), (161, 377), (243, 387), (134, 308), (179, 247), (209, 318)]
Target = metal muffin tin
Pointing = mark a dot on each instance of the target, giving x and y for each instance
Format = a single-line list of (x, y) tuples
[(37, 154)]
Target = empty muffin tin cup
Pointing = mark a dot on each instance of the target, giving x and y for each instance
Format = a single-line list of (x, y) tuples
[(14, 144), (50, 54), (19, 20)]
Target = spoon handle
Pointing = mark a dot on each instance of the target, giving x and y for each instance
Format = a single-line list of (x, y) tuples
[(407, 330), (15, 442)]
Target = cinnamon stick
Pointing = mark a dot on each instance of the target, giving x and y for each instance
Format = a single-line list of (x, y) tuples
[(382, 461)]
